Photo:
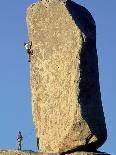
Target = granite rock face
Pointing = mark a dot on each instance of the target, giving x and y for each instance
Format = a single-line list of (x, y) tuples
[(66, 100)]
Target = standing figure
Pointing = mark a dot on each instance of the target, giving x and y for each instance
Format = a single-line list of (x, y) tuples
[(28, 46), (38, 143), (19, 140)]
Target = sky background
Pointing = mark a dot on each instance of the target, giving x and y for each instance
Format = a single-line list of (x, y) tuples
[(15, 99)]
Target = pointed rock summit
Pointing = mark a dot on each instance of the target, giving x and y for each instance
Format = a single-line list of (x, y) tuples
[(66, 99)]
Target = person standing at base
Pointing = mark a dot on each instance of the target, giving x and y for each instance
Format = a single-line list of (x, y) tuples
[(38, 144), (19, 140)]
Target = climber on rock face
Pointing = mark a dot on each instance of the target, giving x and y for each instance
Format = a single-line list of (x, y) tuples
[(28, 46), (19, 140)]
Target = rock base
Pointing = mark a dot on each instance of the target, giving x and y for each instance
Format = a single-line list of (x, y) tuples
[(16, 152)]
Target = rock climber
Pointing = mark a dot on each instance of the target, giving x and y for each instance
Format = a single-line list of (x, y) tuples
[(28, 46), (19, 140)]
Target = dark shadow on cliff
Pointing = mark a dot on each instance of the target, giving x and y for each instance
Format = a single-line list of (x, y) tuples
[(95, 152), (81, 16), (89, 97)]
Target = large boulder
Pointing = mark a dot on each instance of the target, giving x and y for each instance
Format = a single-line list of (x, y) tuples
[(66, 100)]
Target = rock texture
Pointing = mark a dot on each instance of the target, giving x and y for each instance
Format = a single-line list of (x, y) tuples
[(66, 100), (16, 152)]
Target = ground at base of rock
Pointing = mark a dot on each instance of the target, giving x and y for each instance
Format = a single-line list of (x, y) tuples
[(29, 152)]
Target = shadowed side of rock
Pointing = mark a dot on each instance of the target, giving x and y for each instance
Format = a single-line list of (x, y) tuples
[(89, 95)]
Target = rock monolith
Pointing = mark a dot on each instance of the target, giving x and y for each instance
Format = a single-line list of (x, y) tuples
[(66, 100)]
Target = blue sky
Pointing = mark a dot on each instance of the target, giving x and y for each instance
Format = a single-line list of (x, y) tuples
[(15, 99)]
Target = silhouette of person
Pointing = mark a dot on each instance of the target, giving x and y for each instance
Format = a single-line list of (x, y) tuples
[(19, 140)]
